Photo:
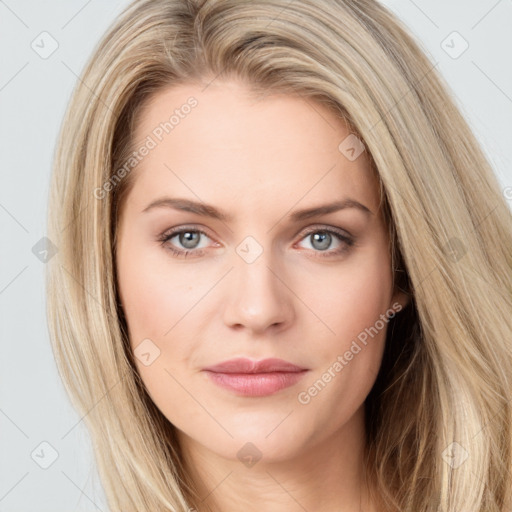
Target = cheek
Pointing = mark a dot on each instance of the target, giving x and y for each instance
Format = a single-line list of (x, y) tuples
[(353, 296), (348, 359), (151, 295)]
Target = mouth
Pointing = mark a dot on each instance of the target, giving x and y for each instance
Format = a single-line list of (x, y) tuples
[(255, 378)]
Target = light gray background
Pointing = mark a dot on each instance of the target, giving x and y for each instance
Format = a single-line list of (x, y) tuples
[(34, 92)]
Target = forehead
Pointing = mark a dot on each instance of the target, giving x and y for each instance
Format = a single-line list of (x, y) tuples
[(223, 142)]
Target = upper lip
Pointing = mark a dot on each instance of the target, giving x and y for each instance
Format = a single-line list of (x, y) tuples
[(244, 365)]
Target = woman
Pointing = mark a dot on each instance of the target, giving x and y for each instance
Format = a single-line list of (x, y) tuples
[(284, 277)]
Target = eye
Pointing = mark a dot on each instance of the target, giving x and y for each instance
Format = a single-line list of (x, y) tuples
[(325, 242), (186, 241), (322, 240)]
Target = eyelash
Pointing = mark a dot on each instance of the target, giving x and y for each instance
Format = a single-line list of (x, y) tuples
[(183, 253)]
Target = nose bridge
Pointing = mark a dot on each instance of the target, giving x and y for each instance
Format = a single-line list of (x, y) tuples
[(258, 297)]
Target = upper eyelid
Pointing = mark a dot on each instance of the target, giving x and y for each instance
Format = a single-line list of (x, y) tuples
[(171, 233), (323, 227), (308, 230)]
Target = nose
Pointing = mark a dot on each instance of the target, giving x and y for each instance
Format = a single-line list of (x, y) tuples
[(259, 300)]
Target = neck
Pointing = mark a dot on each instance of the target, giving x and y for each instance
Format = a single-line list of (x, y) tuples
[(329, 473)]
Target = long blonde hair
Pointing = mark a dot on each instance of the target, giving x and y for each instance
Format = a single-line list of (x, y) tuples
[(439, 418)]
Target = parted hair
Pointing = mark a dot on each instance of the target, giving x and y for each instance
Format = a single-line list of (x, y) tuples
[(439, 417)]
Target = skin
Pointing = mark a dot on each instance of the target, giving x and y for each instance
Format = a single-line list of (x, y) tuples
[(259, 161)]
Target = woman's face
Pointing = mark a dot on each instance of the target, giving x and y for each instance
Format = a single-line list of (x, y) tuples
[(256, 272)]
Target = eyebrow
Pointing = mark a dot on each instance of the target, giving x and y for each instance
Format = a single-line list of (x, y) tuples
[(207, 210)]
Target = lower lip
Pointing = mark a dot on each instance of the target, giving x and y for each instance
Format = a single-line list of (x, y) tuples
[(256, 384)]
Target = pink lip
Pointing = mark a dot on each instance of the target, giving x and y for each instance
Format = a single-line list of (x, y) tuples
[(255, 378), (243, 365)]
